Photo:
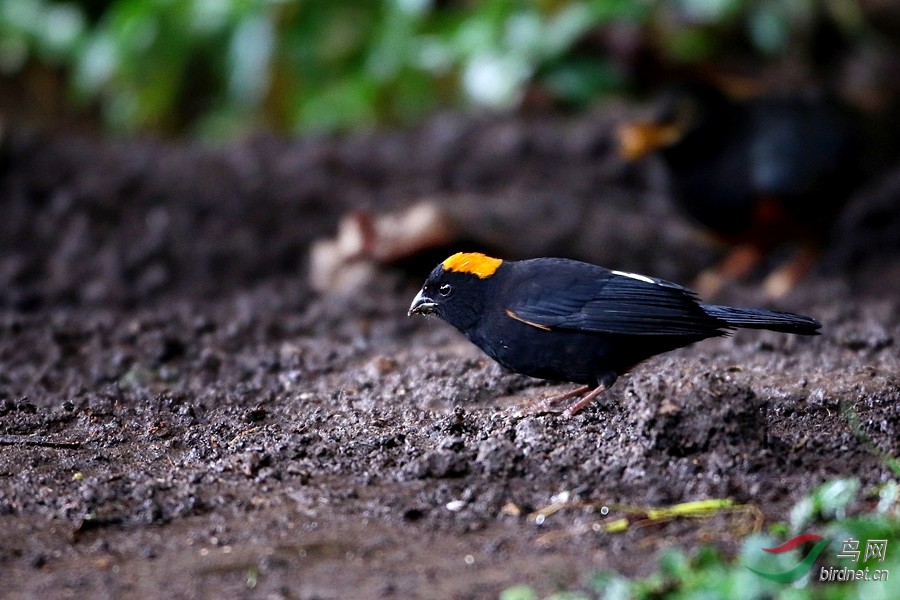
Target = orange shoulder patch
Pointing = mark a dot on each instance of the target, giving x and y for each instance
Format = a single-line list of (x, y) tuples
[(474, 263)]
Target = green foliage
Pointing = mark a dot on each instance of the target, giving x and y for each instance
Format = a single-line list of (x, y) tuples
[(50, 31), (705, 573), (523, 592), (827, 502), (219, 67)]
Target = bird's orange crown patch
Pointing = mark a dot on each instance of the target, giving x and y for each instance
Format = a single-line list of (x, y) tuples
[(473, 263)]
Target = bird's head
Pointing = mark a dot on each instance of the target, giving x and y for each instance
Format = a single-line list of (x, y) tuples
[(679, 112), (457, 289)]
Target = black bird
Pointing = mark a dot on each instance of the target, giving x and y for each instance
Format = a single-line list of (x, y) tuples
[(565, 320), (760, 172)]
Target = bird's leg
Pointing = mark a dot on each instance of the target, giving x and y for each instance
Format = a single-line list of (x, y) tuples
[(558, 399), (590, 393), (736, 265), (604, 381), (782, 280), (590, 397)]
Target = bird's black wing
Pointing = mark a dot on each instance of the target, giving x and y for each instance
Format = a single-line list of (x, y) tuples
[(601, 301)]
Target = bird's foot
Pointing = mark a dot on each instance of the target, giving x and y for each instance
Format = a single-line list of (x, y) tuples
[(736, 266), (581, 404), (552, 404), (782, 280)]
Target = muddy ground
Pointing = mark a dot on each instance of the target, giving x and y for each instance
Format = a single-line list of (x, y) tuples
[(182, 417)]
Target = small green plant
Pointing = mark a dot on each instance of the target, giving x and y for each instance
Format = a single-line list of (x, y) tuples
[(706, 573)]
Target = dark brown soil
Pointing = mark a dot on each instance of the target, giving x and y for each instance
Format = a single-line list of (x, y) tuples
[(181, 417)]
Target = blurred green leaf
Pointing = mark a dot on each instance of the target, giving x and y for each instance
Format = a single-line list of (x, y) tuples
[(829, 501), (217, 65), (580, 81), (519, 592)]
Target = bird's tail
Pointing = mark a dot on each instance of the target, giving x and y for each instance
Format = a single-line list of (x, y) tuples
[(755, 318)]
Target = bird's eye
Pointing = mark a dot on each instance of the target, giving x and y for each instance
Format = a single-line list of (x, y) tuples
[(445, 289)]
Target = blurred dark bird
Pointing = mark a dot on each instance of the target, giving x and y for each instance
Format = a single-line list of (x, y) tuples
[(759, 173), (564, 320)]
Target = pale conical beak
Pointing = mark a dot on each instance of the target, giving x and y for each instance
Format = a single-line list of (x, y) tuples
[(422, 305)]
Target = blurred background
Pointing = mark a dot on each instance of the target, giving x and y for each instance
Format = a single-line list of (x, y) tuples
[(217, 69), (197, 146)]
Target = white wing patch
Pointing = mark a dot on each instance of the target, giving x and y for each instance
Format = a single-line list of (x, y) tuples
[(643, 278)]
